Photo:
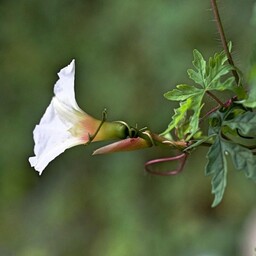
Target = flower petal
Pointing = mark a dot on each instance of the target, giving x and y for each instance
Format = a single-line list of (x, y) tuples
[(51, 138), (64, 87)]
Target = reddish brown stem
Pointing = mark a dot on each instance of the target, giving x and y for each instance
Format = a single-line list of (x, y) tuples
[(215, 98), (209, 113), (180, 158)]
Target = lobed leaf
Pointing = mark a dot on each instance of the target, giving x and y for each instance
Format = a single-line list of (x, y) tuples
[(194, 118), (228, 84), (242, 158), (245, 123), (216, 69), (250, 102), (179, 116), (193, 103), (217, 166), (182, 92), (198, 62), (200, 65), (206, 74)]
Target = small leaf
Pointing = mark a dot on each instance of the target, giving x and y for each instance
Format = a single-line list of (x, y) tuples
[(242, 158), (194, 119), (250, 102), (179, 116), (217, 166), (182, 92), (228, 84), (178, 120), (200, 65), (199, 62), (245, 123), (217, 68), (195, 76)]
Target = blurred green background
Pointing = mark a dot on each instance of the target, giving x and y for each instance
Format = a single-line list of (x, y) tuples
[(128, 53)]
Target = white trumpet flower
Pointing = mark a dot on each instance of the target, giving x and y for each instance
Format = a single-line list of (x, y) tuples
[(64, 124)]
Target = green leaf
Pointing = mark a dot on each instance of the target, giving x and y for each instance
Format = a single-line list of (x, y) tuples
[(217, 68), (217, 166), (180, 115), (228, 84), (197, 105), (245, 123), (242, 159), (226, 122), (206, 74), (250, 102), (200, 66), (192, 103), (182, 92)]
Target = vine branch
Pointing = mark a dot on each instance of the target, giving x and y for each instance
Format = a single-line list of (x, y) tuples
[(215, 98), (223, 38)]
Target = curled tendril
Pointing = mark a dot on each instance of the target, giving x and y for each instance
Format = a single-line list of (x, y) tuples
[(181, 158), (131, 131)]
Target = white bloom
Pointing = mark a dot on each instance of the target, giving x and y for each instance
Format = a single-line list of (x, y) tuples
[(63, 124)]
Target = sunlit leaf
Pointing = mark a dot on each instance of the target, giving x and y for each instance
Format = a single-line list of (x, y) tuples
[(180, 114), (182, 92), (208, 76), (200, 66)]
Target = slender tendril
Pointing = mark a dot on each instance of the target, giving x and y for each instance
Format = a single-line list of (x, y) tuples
[(180, 158)]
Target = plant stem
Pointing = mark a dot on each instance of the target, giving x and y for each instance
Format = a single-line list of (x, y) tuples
[(208, 113), (215, 98), (223, 38), (158, 140)]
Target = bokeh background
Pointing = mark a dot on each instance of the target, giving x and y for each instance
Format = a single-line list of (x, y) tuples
[(128, 53)]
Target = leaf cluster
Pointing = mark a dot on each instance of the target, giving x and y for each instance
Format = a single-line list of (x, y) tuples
[(231, 130), (208, 76), (235, 135)]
